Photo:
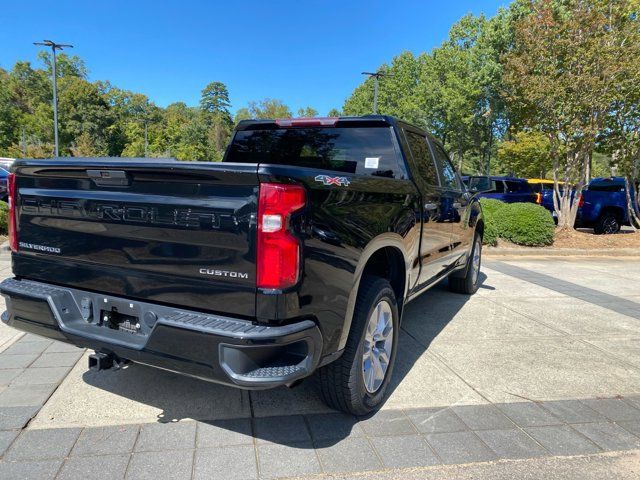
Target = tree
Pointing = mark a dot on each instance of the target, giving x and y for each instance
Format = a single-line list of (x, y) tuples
[(334, 112), (84, 146), (83, 109), (268, 108), (528, 154), (214, 106), (452, 91), (215, 98), (397, 93), (562, 77), (307, 112), (9, 114), (66, 66)]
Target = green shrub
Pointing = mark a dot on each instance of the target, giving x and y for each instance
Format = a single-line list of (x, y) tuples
[(491, 210), (520, 223), (527, 224), (4, 216)]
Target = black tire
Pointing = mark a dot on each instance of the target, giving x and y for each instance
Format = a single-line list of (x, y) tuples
[(608, 223), (467, 281), (342, 383)]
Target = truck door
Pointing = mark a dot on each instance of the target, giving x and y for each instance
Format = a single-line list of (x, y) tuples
[(435, 241), (456, 198)]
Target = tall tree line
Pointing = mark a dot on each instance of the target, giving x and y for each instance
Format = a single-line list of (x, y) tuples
[(545, 87), (99, 119)]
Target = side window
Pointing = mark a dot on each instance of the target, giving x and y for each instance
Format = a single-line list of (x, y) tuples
[(447, 172), (422, 157), (514, 187), (498, 186)]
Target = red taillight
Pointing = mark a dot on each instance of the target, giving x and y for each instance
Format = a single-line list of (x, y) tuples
[(581, 201), (538, 198), (12, 196), (307, 122), (278, 250)]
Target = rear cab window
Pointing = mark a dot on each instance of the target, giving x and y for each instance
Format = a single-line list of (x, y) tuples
[(354, 150), (606, 186)]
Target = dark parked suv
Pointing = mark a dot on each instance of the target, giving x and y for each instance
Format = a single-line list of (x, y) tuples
[(604, 205), (295, 255), (505, 189)]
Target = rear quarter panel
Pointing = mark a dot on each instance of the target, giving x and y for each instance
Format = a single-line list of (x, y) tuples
[(596, 201), (342, 225)]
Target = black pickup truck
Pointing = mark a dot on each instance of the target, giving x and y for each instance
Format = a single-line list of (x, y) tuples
[(295, 255)]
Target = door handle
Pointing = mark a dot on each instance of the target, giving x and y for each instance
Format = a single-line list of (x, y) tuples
[(430, 207)]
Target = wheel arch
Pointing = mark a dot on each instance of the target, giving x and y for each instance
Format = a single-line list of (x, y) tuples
[(384, 256), (617, 211)]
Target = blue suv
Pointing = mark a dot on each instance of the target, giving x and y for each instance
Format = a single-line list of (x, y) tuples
[(505, 189), (603, 205)]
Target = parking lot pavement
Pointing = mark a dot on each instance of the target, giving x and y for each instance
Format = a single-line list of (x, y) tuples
[(543, 364)]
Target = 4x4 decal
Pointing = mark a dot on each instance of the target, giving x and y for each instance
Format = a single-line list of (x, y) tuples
[(327, 180)]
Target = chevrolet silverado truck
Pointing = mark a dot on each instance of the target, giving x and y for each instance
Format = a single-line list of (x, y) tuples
[(294, 256)]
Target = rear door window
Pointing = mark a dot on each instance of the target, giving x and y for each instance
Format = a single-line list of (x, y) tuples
[(516, 187), (422, 158), (360, 151), (498, 186), (448, 175)]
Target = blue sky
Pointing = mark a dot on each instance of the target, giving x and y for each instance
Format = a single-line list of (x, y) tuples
[(302, 52)]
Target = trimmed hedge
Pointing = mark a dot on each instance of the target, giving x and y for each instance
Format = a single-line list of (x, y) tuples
[(491, 210), (520, 223), (528, 224), (4, 216)]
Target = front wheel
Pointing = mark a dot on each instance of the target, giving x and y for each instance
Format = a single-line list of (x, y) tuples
[(467, 281), (356, 383)]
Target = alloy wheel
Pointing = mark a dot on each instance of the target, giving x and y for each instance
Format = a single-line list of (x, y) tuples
[(378, 344)]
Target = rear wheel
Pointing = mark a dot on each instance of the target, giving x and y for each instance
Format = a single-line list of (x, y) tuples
[(357, 382), (469, 283), (607, 224)]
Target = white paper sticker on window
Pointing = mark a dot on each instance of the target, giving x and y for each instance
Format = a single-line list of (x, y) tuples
[(371, 162)]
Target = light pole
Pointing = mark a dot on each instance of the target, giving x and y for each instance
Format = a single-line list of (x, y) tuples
[(146, 140), (54, 46), (376, 76)]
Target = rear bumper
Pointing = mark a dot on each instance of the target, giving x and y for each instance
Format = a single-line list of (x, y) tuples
[(215, 348)]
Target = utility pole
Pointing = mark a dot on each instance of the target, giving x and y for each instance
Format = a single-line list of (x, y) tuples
[(54, 46), (376, 77), (23, 141), (146, 140)]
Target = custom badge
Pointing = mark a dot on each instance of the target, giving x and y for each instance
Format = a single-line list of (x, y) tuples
[(327, 180)]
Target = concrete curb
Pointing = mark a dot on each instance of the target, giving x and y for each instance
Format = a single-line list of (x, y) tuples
[(5, 247), (559, 252)]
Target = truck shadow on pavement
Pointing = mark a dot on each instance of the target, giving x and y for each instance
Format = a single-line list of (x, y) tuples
[(273, 415)]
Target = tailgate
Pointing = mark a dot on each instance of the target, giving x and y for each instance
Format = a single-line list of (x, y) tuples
[(177, 233)]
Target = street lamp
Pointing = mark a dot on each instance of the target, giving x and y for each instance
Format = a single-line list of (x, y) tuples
[(54, 46), (376, 76)]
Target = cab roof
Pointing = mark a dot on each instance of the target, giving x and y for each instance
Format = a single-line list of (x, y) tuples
[(308, 122)]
